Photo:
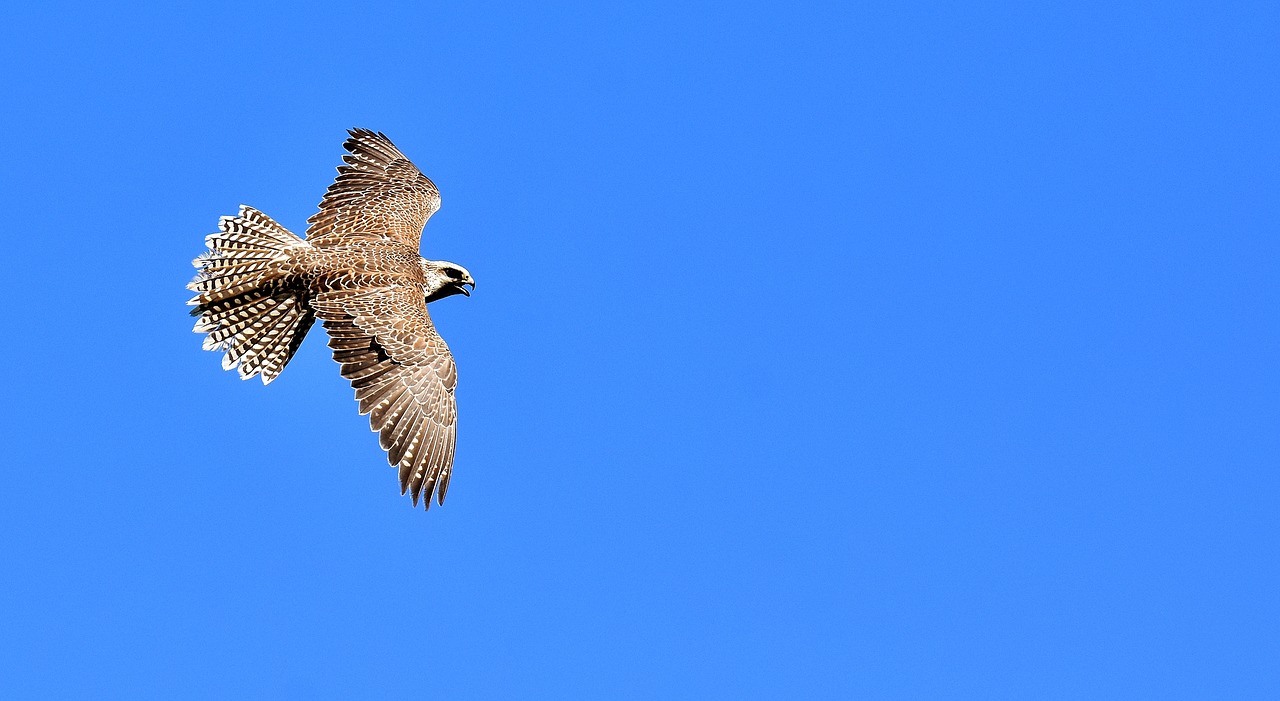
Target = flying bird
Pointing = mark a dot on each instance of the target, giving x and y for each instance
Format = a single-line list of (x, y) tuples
[(260, 288)]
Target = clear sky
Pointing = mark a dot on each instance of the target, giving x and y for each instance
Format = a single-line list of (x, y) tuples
[(819, 351)]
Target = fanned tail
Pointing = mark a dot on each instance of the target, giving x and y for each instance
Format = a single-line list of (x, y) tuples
[(246, 301)]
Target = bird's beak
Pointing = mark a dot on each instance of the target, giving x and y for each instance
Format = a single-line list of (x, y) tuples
[(450, 289)]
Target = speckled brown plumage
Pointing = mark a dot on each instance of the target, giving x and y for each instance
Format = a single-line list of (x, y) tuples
[(260, 288)]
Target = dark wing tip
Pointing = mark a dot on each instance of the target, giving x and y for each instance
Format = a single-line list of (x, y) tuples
[(443, 486), (361, 138)]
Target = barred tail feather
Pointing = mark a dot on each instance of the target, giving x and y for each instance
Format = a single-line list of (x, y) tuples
[(246, 252), (246, 302)]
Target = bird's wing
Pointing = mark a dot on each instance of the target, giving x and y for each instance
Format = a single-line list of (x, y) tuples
[(379, 192), (404, 377)]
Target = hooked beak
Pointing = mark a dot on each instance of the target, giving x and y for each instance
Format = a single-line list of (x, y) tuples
[(451, 289)]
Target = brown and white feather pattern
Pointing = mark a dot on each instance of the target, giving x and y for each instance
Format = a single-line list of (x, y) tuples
[(244, 300), (404, 377), (260, 288), (378, 191)]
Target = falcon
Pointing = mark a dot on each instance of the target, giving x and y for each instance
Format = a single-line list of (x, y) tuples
[(259, 288)]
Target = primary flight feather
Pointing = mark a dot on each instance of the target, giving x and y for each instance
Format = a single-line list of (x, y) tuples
[(260, 288)]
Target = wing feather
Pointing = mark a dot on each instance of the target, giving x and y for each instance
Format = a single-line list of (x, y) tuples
[(378, 192), (404, 377)]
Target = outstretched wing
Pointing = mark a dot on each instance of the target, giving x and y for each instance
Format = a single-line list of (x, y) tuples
[(404, 377), (378, 192)]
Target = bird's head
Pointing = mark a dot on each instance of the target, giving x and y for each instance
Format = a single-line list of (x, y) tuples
[(445, 279)]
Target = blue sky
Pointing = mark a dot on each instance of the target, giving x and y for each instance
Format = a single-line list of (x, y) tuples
[(870, 350)]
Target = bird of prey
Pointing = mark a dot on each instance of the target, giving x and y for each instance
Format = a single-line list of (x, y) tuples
[(260, 288)]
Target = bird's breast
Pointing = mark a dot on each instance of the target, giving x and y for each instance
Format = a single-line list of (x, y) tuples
[(360, 265)]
